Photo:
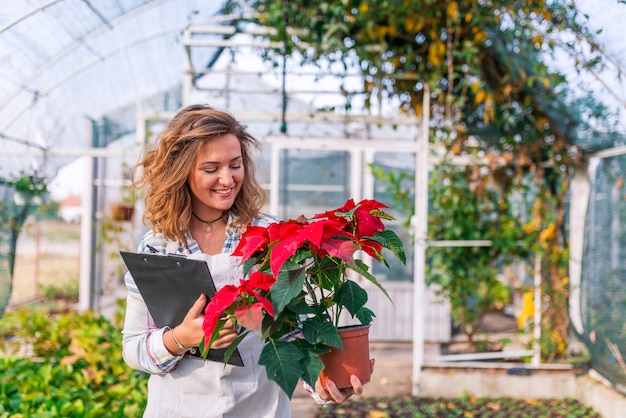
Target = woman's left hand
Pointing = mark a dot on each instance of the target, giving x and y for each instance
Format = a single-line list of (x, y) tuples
[(333, 394)]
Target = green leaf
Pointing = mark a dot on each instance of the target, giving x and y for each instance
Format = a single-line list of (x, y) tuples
[(306, 347), (300, 307), (282, 364), (390, 240), (233, 346), (362, 268), (274, 326), (365, 315), (313, 366), (288, 286), (329, 272), (249, 264), (317, 331), (352, 296)]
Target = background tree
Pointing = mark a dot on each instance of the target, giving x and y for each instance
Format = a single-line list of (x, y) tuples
[(487, 64), (18, 198)]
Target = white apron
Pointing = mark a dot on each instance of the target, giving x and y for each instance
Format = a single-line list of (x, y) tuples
[(199, 388)]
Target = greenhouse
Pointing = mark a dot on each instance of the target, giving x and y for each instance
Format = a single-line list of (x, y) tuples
[(513, 182)]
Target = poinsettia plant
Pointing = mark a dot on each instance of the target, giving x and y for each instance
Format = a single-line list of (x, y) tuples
[(297, 286)]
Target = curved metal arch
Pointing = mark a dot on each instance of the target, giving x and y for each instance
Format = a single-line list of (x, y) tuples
[(117, 50), (27, 15), (24, 85)]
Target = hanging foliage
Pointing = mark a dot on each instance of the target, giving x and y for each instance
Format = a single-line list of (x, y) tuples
[(493, 91)]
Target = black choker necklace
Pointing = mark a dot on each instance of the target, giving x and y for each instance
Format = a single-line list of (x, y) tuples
[(208, 223)]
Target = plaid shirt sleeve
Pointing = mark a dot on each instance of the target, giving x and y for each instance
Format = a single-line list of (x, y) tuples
[(142, 343)]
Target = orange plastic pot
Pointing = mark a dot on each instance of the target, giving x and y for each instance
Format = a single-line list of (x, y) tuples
[(354, 359)]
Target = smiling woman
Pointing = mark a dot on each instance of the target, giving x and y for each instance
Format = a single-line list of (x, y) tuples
[(201, 196)]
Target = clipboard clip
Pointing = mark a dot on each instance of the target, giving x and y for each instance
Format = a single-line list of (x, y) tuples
[(176, 255), (155, 251)]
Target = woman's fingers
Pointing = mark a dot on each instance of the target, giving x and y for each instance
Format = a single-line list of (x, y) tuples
[(319, 388), (226, 335), (332, 393), (338, 395), (357, 387), (190, 330), (197, 307)]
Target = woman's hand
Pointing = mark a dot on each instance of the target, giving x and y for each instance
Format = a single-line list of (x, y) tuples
[(227, 335), (333, 394), (190, 334)]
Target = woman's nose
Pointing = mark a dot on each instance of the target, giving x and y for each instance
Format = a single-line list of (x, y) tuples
[(226, 176)]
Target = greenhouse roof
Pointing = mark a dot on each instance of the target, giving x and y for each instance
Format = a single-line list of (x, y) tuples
[(64, 63)]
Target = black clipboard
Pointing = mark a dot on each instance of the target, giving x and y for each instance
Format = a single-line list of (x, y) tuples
[(169, 286)]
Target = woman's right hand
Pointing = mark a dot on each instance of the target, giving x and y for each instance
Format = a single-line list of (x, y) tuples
[(190, 334)]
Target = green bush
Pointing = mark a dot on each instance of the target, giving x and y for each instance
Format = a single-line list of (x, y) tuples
[(64, 291), (74, 367)]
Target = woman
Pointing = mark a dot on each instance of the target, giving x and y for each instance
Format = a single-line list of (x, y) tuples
[(201, 194)]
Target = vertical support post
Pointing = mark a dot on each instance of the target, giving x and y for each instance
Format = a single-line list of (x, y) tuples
[(274, 177), (361, 186), (420, 230), (369, 154), (140, 130), (37, 257), (536, 360), (87, 229), (188, 74), (141, 135), (357, 186), (580, 189)]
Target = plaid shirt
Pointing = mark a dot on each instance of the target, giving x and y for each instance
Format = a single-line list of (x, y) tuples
[(157, 243)]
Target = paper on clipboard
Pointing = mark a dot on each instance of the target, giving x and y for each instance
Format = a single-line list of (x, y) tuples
[(169, 286)]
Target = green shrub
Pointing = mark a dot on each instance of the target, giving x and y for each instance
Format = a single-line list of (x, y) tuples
[(74, 367), (67, 291)]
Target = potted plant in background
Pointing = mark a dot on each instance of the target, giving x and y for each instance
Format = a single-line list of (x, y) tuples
[(30, 189), (124, 209), (18, 198), (298, 288)]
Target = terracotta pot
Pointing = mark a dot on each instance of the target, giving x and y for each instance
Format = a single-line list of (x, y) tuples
[(121, 212), (353, 360)]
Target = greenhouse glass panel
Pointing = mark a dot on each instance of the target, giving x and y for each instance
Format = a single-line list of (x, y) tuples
[(402, 165), (313, 181)]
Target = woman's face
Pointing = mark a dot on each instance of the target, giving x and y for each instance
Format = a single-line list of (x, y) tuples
[(216, 177)]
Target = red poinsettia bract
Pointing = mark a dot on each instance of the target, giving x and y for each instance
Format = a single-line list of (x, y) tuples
[(249, 314), (365, 220)]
